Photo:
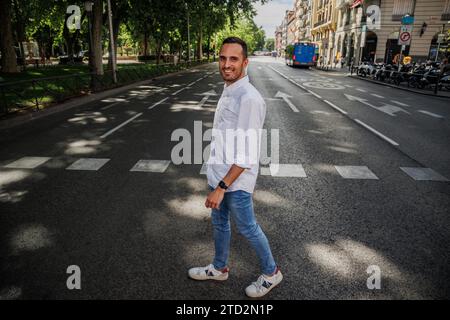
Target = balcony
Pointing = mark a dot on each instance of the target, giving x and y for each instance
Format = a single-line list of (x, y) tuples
[(318, 23), (445, 16)]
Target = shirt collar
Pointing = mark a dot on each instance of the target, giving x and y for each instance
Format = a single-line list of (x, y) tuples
[(230, 89)]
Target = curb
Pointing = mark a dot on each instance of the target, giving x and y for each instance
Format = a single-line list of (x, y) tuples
[(400, 88), (80, 100)]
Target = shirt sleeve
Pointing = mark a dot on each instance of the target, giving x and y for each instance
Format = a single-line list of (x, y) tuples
[(248, 131)]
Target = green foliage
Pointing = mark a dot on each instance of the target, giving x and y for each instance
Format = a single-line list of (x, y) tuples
[(246, 29)]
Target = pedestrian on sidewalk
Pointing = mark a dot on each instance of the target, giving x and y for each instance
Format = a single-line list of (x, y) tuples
[(231, 183)]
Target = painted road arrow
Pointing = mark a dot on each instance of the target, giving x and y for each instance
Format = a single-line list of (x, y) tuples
[(386, 108), (286, 97)]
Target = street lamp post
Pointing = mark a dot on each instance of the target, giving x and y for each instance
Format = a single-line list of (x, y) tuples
[(111, 39), (88, 8), (439, 42), (188, 35)]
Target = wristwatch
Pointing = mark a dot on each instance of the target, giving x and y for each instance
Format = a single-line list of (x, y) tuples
[(223, 185)]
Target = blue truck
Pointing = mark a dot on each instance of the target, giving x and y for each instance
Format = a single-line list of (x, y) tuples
[(301, 54)]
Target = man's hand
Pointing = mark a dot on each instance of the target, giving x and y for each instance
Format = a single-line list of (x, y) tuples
[(215, 198)]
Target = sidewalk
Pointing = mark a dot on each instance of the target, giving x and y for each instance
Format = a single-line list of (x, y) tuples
[(345, 71), (428, 92)]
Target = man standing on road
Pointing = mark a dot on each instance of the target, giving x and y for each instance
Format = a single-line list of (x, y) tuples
[(242, 109)]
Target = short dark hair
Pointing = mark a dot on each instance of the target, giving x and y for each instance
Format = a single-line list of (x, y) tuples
[(238, 41)]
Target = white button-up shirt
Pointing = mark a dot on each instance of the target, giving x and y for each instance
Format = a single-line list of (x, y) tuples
[(241, 110)]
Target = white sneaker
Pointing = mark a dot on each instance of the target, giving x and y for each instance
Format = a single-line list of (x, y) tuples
[(263, 285), (208, 273)]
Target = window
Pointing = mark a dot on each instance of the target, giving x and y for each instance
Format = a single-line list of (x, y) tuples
[(402, 7), (446, 13)]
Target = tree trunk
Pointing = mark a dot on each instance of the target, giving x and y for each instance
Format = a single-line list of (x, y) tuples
[(145, 43), (9, 61), (158, 51), (116, 26), (97, 50), (209, 45), (200, 40)]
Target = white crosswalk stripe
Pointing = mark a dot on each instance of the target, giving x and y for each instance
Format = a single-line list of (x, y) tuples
[(284, 170), (355, 172), (27, 162), (151, 166), (423, 174), (90, 164)]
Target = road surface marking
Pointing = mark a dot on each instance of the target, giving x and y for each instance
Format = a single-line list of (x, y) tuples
[(348, 86), (324, 85), (178, 91), (286, 97), (157, 103), (285, 170), (335, 107), (27, 162), (355, 172), (314, 94), (151, 166), (400, 103), (387, 108), (377, 133), (423, 174), (120, 126), (112, 105), (377, 95), (431, 114), (91, 164), (362, 90)]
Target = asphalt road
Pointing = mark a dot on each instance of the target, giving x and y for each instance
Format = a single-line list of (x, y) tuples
[(75, 189)]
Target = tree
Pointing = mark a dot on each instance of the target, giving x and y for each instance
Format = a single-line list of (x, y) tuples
[(270, 44), (97, 25), (9, 61)]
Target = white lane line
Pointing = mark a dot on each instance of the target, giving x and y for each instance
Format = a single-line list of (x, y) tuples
[(157, 103), (355, 172), (120, 126), (377, 95), (377, 133), (400, 103), (348, 86), (177, 92), (335, 107), (314, 94), (159, 166), (431, 114), (362, 90), (423, 174), (90, 164), (27, 162), (112, 105)]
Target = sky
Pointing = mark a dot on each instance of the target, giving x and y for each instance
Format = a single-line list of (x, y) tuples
[(270, 15)]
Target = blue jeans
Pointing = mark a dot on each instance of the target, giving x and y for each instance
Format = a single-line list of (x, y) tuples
[(240, 205)]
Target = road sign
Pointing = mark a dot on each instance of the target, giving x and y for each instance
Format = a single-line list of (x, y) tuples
[(404, 38), (407, 19)]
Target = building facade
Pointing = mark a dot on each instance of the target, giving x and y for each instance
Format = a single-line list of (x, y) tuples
[(323, 29), (344, 30), (302, 10)]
